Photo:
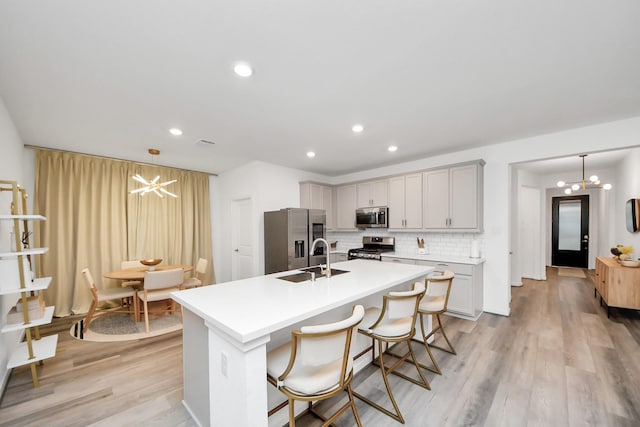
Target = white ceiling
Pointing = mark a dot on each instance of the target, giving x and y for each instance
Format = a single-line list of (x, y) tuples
[(593, 162), (111, 77)]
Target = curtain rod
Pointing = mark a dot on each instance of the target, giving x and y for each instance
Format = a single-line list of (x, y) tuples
[(119, 160)]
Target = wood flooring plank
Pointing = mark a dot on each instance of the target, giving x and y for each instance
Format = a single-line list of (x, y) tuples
[(548, 404), (619, 394), (585, 407), (575, 342), (595, 329), (510, 406)]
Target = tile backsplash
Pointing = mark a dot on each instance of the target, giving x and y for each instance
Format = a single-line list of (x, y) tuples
[(453, 244)]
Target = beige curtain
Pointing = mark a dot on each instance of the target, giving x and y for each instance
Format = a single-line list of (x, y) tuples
[(93, 221)]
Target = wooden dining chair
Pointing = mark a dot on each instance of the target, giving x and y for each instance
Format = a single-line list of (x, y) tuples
[(101, 295), (158, 286), (198, 277), (136, 284)]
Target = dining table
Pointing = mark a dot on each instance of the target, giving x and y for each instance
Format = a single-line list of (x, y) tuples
[(136, 274)]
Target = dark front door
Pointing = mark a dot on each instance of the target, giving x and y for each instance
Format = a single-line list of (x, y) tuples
[(570, 231)]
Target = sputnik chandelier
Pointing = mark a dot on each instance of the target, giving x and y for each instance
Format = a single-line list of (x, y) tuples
[(153, 186), (572, 186)]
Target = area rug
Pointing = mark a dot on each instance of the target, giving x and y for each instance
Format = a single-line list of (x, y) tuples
[(571, 272), (111, 327)]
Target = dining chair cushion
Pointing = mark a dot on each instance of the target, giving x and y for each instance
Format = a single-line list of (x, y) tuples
[(191, 282), (163, 279), (317, 351), (319, 356), (115, 293), (158, 295), (195, 281), (431, 303), (440, 275), (388, 327), (305, 379)]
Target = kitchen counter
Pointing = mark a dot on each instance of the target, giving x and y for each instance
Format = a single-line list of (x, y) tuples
[(227, 327)]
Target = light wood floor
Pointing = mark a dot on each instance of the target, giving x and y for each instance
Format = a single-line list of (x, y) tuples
[(556, 361)]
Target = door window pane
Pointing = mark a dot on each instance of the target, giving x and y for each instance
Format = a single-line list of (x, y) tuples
[(569, 225)]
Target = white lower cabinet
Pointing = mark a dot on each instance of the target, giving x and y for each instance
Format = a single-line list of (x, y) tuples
[(399, 260), (465, 300)]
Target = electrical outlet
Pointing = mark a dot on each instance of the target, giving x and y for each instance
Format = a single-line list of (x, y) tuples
[(223, 363)]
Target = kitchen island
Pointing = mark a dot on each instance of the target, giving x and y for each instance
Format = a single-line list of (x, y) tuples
[(229, 327)]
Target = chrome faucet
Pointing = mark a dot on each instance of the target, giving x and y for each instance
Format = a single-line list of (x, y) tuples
[(313, 247)]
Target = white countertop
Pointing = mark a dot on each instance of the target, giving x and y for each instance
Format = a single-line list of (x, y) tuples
[(434, 257), (252, 308)]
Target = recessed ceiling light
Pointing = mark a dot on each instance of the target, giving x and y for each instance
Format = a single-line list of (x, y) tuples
[(175, 131), (243, 69), (311, 154), (392, 148), (357, 128)]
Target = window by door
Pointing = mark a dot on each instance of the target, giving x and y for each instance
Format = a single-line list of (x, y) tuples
[(570, 231)]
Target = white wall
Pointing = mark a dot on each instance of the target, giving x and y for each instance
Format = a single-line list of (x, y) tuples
[(627, 187), (11, 169), (271, 188), (531, 252), (277, 183)]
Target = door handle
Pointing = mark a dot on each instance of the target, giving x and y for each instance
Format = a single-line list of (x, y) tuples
[(236, 250)]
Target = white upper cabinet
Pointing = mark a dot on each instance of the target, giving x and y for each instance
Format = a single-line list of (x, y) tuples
[(453, 198), (327, 201), (373, 193), (346, 204), (317, 196), (444, 199), (405, 201)]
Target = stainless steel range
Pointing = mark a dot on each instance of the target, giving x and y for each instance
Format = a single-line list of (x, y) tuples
[(373, 247)]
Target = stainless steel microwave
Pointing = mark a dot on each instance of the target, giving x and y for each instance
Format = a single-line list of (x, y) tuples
[(377, 217)]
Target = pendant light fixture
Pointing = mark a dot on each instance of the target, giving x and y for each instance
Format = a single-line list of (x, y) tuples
[(593, 182), (153, 185)]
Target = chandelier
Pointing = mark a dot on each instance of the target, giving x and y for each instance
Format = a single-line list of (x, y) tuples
[(153, 186), (593, 182)]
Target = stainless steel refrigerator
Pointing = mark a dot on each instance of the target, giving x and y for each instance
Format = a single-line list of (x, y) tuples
[(288, 235)]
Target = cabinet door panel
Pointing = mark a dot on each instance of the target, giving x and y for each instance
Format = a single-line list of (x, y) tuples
[(327, 202), (396, 202), (464, 197), (380, 193), (413, 201), (436, 193), (346, 207), (317, 201), (399, 260), (364, 195), (461, 296)]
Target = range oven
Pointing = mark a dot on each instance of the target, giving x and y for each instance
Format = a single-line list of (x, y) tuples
[(373, 247)]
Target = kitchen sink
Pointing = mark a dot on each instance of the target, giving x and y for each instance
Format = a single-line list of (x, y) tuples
[(303, 277), (316, 269)]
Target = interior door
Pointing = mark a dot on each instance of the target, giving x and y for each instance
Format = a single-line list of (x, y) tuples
[(242, 240), (530, 234), (570, 231)]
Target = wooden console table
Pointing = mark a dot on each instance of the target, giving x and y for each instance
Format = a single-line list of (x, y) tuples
[(618, 286)]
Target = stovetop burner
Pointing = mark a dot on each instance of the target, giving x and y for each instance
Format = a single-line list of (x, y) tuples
[(373, 247)]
